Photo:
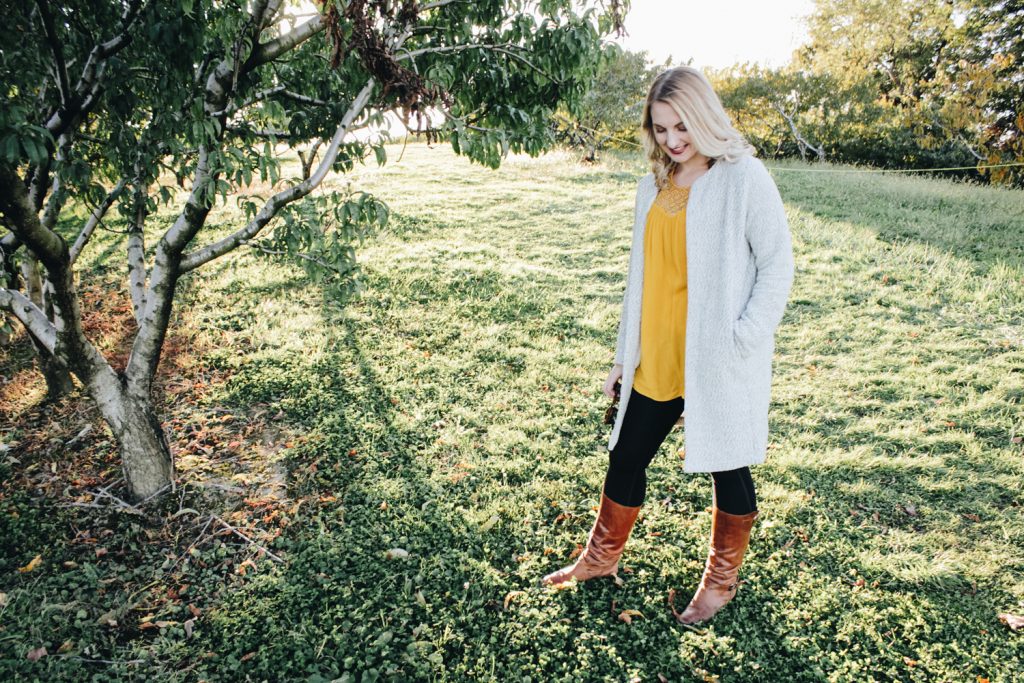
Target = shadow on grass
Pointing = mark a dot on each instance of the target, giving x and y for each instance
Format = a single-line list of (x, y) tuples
[(984, 225), (342, 604)]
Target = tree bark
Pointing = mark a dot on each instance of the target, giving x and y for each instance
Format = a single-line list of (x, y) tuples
[(58, 378), (146, 457), (54, 370)]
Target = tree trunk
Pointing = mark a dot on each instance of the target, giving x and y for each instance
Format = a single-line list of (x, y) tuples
[(56, 373), (148, 468), (145, 455)]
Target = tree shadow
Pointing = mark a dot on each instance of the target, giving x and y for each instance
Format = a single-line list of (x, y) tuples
[(982, 224)]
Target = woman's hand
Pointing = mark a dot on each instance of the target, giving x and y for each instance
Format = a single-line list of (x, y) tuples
[(609, 384)]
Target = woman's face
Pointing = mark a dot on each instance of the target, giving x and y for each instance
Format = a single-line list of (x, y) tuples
[(671, 134)]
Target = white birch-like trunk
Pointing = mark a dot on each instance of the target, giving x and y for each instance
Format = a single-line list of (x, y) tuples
[(145, 455), (54, 370)]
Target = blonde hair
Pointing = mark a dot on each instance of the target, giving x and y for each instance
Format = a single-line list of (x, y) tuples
[(688, 91)]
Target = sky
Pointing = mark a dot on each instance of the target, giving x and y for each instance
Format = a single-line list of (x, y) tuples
[(717, 33)]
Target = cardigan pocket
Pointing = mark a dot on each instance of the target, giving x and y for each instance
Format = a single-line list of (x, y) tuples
[(739, 348)]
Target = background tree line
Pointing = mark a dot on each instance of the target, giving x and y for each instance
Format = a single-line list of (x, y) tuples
[(906, 84)]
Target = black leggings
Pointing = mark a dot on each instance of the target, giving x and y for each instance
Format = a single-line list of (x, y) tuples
[(644, 428)]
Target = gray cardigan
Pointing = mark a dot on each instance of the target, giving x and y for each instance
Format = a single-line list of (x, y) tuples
[(739, 268)]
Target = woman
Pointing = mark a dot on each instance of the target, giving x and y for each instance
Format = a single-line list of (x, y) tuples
[(709, 273)]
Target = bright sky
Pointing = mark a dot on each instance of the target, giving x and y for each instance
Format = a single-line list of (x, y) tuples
[(717, 33)]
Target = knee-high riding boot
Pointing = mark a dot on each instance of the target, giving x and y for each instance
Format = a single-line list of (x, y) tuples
[(730, 536), (604, 546)]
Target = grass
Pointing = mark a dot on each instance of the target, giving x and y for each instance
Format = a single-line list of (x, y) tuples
[(453, 412)]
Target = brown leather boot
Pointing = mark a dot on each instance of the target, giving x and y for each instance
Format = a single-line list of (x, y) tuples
[(604, 546), (730, 536)]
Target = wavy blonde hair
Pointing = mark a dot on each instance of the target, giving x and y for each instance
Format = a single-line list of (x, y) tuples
[(689, 92)]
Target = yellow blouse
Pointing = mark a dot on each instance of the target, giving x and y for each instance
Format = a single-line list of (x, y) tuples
[(660, 375)]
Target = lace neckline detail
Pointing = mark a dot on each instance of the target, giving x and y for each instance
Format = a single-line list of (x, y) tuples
[(672, 199)]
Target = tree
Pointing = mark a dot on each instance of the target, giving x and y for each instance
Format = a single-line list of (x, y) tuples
[(114, 104), (994, 42), (613, 101), (780, 110), (946, 78)]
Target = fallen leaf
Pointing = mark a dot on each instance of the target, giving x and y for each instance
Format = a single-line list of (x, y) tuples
[(911, 509), (671, 603), (1014, 621), (909, 662), (3, 600), (489, 524), (241, 569), (196, 612), (971, 516), (65, 647), (100, 552), (247, 656), (396, 554), (36, 654), (421, 599), (36, 561), (512, 594), (627, 615), (189, 625)]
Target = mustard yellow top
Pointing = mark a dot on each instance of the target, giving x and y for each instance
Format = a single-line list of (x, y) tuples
[(660, 375)]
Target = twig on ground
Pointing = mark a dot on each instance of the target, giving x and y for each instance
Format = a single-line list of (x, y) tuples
[(247, 539)]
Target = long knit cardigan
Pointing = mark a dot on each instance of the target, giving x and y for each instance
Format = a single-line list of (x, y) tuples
[(739, 269)]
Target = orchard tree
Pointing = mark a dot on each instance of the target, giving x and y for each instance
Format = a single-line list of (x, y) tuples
[(613, 101), (124, 102), (779, 110), (946, 77)]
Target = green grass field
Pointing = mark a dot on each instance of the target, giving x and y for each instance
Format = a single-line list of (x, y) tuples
[(453, 412)]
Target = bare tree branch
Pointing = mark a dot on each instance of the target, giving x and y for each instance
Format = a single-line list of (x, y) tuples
[(18, 305), (274, 204), (449, 49), (275, 48), (307, 158), (95, 218), (163, 278), (276, 252), (225, 75), (137, 251), (57, 193), (802, 143), (90, 82), (270, 92), (439, 3), (60, 68), (24, 221)]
